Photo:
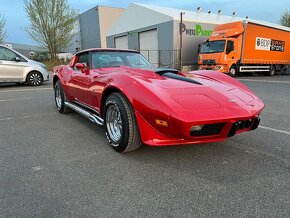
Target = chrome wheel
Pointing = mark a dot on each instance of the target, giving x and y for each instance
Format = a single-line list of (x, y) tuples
[(58, 98), (35, 78), (233, 71), (114, 123)]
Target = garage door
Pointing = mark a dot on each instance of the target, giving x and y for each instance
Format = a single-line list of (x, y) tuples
[(148, 43), (121, 42)]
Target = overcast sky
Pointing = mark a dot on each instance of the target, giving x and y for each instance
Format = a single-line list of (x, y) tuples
[(269, 10)]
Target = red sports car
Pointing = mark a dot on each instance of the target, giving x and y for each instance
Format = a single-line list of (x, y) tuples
[(137, 103)]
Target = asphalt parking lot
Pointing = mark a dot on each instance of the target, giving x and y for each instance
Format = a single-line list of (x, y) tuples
[(54, 165)]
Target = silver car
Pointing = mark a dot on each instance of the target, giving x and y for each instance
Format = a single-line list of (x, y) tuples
[(15, 67)]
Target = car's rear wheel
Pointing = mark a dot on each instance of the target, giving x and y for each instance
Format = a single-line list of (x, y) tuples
[(121, 127), (34, 78), (60, 98)]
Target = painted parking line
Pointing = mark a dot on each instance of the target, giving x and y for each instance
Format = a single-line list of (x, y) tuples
[(19, 99), (264, 81), (275, 130), (25, 117), (24, 90)]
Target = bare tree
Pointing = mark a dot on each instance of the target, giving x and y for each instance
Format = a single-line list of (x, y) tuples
[(285, 18), (2, 28), (52, 24)]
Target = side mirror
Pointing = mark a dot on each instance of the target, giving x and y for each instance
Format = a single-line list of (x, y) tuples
[(80, 66), (83, 68)]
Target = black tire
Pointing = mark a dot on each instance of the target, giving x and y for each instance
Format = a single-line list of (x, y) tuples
[(34, 78), (272, 71), (128, 137), (233, 71), (60, 99)]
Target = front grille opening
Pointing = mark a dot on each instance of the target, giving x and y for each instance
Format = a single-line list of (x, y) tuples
[(208, 129), (244, 124)]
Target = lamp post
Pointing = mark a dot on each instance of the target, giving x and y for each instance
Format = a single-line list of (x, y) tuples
[(180, 39)]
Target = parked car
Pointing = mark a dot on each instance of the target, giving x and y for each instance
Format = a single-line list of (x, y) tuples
[(15, 67), (137, 103)]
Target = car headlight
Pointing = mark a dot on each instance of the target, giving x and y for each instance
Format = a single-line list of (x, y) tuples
[(219, 67), (196, 128)]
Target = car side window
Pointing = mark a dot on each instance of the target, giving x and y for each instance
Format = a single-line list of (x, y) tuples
[(83, 58), (230, 46), (100, 60), (7, 55)]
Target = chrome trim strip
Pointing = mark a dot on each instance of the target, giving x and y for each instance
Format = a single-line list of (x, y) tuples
[(92, 117), (86, 106)]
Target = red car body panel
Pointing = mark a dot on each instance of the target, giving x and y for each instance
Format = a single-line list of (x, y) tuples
[(218, 99)]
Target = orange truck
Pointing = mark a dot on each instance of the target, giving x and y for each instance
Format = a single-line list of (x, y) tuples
[(246, 47)]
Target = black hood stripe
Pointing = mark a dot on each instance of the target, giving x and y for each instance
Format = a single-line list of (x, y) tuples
[(181, 78)]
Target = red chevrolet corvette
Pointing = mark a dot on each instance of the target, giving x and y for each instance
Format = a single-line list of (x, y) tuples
[(137, 103)]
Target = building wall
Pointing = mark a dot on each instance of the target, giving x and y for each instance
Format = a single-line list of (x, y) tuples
[(193, 34), (94, 25), (90, 29), (107, 17), (75, 43), (165, 41)]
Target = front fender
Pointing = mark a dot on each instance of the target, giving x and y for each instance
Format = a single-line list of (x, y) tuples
[(150, 107), (221, 77), (39, 69)]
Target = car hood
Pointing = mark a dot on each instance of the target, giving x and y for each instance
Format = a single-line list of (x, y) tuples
[(204, 94)]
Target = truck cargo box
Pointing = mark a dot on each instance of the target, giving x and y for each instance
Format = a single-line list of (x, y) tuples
[(265, 45)]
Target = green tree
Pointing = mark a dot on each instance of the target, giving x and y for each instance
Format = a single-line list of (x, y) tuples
[(2, 29), (51, 24), (285, 18)]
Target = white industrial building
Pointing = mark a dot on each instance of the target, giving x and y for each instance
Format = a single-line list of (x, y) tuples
[(155, 32)]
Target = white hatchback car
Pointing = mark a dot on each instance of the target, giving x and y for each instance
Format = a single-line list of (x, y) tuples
[(15, 67)]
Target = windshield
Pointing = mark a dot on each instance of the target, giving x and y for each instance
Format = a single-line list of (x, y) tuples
[(213, 47), (115, 59)]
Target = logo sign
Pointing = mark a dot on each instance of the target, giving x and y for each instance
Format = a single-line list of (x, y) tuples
[(277, 45), (198, 31), (263, 44), (269, 44)]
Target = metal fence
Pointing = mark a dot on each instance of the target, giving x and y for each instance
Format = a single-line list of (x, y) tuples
[(162, 58)]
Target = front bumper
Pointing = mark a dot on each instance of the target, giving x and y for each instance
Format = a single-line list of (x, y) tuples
[(46, 78), (219, 68), (229, 127)]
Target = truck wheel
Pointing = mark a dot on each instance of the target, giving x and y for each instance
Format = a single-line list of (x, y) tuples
[(34, 78), (60, 99), (233, 71), (120, 124), (272, 70)]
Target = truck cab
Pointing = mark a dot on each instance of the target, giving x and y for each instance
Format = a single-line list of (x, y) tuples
[(221, 52)]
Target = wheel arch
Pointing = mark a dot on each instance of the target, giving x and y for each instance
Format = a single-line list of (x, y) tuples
[(109, 90), (31, 71), (54, 80), (235, 65)]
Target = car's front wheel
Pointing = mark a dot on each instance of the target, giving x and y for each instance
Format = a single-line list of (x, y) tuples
[(233, 71), (121, 127), (34, 78), (60, 98)]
